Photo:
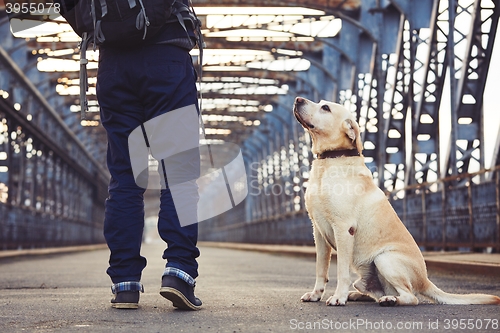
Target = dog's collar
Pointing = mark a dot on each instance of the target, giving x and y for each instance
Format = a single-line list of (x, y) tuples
[(338, 153)]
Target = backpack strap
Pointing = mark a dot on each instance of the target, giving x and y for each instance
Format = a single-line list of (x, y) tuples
[(132, 3), (104, 8), (201, 47), (181, 13), (98, 35), (84, 84), (97, 24), (142, 20)]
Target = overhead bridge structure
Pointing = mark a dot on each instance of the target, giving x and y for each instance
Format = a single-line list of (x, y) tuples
[(52, 188), (420, 76)]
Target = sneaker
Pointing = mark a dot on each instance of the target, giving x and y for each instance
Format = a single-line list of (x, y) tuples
[(126, 300), (180, 293)]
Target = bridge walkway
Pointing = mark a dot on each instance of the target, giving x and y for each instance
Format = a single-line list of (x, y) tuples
[(242, 291)]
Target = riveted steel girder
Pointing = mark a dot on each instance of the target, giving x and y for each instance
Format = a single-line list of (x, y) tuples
[(467, 112), (320, 5)]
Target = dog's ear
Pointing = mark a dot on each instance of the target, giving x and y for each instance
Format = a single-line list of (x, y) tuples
[(352, 131)]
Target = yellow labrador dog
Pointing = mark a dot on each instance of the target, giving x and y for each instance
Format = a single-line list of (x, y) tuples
[(352, 215)]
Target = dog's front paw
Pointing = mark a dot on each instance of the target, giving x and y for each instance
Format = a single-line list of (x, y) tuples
[(336, 300), (388, 301), (313, 296)]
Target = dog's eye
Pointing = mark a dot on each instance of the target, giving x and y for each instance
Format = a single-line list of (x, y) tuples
[(326, 108)]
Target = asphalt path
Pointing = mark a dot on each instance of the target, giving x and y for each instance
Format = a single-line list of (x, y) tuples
[(242, 291)]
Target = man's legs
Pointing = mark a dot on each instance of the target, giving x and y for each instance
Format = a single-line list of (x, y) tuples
[(135, 86)]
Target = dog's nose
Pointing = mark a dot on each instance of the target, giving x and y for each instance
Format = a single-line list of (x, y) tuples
[(299, 100)]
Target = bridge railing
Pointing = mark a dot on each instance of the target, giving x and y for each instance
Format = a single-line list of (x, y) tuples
[(52, 190), (450, 213), (453, 212)]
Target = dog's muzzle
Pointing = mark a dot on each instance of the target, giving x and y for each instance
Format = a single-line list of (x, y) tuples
[(297, 110)]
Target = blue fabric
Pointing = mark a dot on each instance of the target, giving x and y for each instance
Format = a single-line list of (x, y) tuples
[(133, 86)]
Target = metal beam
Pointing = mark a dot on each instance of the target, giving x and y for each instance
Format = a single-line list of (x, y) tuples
[(470, 87), (311, 47), (347, 5)]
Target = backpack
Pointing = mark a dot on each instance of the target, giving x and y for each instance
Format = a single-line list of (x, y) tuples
[(118, 22), (122, 23)]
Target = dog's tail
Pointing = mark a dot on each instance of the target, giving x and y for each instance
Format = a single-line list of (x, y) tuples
[(442, 297)]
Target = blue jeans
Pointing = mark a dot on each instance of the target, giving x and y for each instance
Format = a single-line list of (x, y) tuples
[(134, 86)]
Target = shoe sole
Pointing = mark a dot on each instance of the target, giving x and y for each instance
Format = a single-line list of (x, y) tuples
[(178, 299), (125, 305)]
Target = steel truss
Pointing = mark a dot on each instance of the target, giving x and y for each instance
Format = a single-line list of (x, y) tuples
[(52, 190), (390, 64), (399, 65)]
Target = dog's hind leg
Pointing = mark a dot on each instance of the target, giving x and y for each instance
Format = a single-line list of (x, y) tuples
[(395, 274), (368, 286), (405, 297), (359, 297)]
